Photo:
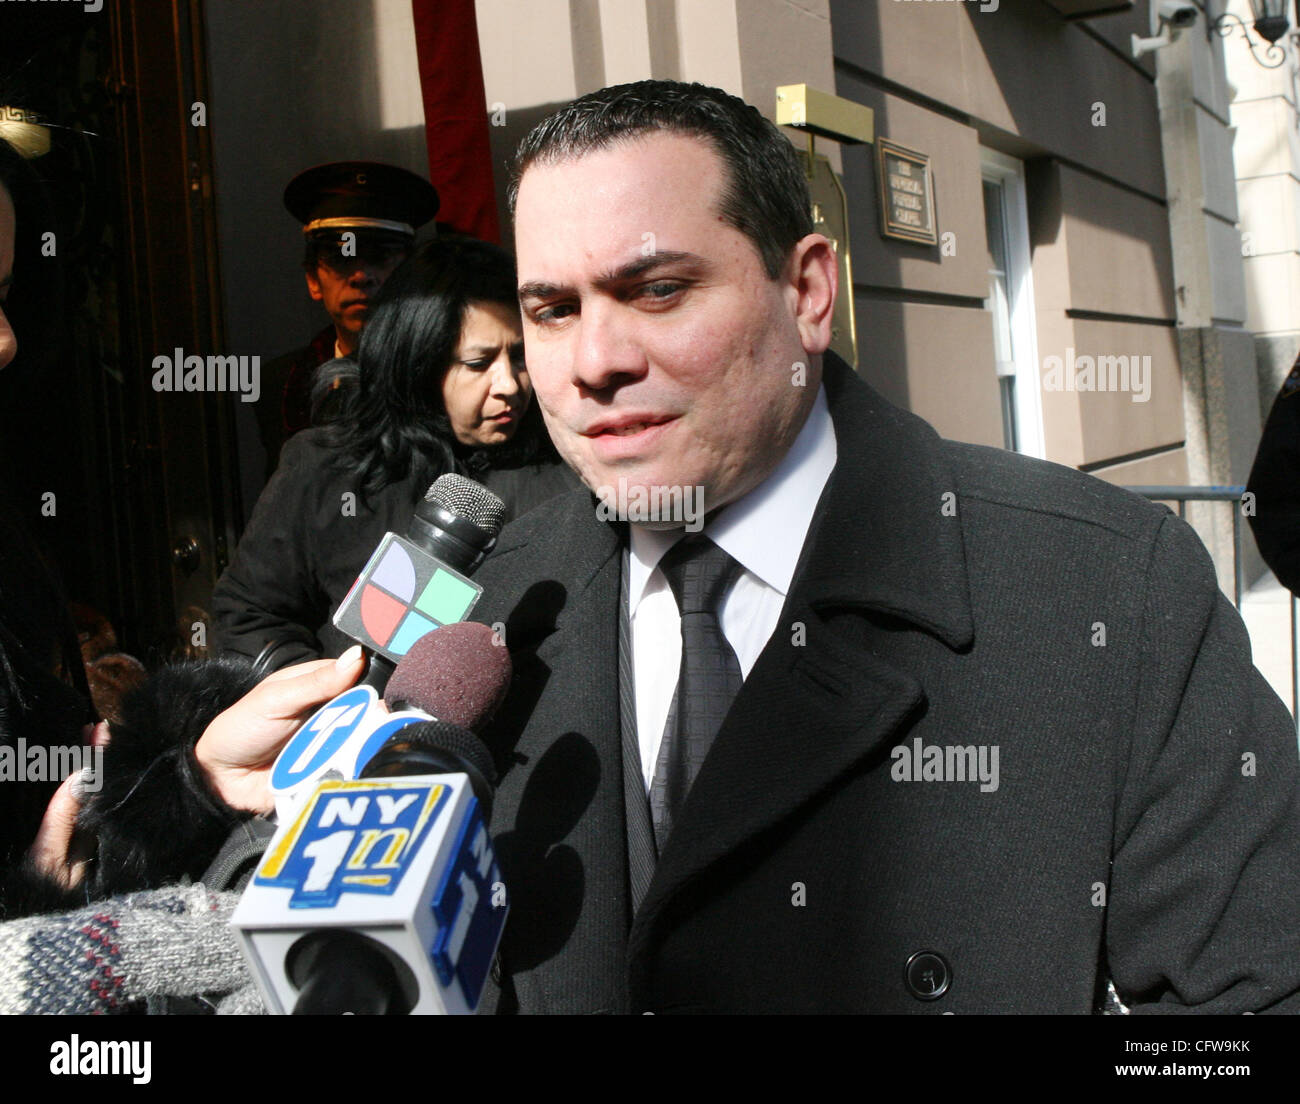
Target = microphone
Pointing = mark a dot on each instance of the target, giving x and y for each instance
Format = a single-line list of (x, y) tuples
[(457, 673), (460, 673), (412, 585), (383, 896)]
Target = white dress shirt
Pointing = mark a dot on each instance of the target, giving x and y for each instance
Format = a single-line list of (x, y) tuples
[(764, 532)]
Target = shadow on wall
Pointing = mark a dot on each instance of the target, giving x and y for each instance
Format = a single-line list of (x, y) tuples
[(515, 124)]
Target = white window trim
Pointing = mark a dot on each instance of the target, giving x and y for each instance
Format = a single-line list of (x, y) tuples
[(1010, 173)]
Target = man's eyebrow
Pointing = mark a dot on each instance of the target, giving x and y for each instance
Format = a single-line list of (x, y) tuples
[(7, 281), (630, 271)]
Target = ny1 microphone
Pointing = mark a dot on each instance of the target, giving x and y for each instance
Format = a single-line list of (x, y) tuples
[(383, 895), (457, 673), (411, 585)]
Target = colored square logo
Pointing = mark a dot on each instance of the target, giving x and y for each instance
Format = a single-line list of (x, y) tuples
[(380, 613), (447, 598), (413, 627), (395, 573)]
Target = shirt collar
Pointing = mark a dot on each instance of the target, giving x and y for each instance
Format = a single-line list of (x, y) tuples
[(765, 530)]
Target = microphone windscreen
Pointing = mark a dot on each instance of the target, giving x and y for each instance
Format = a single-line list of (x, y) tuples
[(455, 673)]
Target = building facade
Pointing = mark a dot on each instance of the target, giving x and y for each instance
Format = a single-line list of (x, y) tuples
[(1085, 299)]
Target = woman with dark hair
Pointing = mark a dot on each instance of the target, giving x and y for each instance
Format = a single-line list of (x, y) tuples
[(440, 386)]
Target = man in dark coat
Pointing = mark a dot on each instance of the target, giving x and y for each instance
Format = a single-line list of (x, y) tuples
[(996, 744), (1275, 483), (999, 746), (359, 220)]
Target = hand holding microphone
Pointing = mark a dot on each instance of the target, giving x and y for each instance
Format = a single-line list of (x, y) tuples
[(409, 587), (239, 748), (456, 673), (380, 892)]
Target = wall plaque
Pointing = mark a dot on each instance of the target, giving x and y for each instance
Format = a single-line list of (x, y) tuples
[(906, 194)]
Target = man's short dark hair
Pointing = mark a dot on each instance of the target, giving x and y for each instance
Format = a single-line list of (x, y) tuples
[(765, 195)]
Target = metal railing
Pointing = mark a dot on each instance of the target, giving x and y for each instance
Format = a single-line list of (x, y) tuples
[(1182, 496)]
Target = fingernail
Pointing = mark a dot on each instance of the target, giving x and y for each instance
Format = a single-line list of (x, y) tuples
[(81, 781), (348, 658)]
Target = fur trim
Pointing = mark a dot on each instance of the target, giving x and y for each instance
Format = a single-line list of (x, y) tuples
[(154, 816), (24, 891)]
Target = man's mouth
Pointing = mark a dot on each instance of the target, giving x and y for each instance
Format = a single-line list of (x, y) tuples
[(627, 426)]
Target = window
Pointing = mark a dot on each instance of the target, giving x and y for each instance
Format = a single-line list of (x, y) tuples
[(1011, 302)]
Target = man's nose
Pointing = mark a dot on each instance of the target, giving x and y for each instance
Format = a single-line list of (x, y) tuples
[(605, 352), (8, 342)]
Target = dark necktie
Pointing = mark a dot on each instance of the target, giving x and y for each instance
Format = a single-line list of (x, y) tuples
[(699, 573)]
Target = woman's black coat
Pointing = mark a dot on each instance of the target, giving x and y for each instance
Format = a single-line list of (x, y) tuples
[(312, 532)]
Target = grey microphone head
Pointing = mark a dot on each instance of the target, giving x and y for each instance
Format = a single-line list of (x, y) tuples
[(467, 499)]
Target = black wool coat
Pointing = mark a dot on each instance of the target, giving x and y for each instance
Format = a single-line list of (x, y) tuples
[(1275, 484), (1145, 825)]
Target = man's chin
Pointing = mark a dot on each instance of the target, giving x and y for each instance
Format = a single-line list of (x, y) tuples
[(649, 502)]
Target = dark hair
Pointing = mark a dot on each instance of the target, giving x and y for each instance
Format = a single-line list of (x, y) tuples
[(396, 422), (765, 195)]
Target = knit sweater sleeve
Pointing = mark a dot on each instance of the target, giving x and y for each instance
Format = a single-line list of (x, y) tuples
[(174, 942)]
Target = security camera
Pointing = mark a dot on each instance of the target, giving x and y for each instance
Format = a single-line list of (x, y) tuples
[(1175, 13), (1169, 18)]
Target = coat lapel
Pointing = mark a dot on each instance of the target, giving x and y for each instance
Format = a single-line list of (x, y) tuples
[(814, 707), (558, 822)]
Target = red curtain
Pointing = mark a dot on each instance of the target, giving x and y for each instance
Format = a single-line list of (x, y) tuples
[(455, 115)]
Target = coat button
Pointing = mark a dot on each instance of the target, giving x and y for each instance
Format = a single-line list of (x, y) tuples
[(927, 975)]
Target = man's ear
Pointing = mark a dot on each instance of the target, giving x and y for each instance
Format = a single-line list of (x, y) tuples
[(814, 280), (313, 285)]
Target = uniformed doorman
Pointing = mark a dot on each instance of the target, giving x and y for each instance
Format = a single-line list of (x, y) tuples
[(359, 220)]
